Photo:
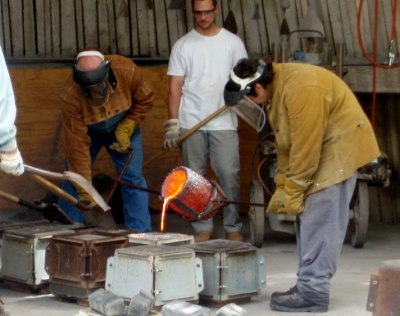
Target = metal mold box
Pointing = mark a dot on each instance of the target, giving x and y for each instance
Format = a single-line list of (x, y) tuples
[(23, 253), (232, 270), (168, 273), (156, 238), (77, 263)]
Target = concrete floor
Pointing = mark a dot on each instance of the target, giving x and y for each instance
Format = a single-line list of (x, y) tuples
[(349, 285)]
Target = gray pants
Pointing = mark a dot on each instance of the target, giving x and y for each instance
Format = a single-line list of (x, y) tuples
[(223, 147), (321, 230)]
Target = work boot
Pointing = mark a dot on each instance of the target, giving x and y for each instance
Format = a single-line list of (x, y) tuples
[(202, 236), (290, 291), (294, 302), (237, 236)]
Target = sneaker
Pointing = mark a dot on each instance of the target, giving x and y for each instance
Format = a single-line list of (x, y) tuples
[(290, 291), (202, 236), (237, 236), (294, 302)]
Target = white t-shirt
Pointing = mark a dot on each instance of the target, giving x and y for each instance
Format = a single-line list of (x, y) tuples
[(205, 62)]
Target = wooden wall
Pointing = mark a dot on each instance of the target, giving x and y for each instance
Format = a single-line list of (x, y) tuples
[(38, 120), (149, 28)]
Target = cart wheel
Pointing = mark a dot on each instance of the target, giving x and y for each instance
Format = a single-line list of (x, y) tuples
[(256, 214), (359, 220)]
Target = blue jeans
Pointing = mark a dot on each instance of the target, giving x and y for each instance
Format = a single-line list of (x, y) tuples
[(136, 202)]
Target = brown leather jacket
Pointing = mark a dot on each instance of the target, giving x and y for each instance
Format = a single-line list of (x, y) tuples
[(322, 134), (131, 94)]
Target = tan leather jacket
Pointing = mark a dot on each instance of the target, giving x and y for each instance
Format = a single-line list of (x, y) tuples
[(131, 93), (322, 134)]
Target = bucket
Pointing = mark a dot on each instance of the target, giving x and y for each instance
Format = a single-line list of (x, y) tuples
[(191, 195)]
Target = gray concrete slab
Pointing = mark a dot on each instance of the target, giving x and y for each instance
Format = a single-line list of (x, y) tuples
[(349, 285)]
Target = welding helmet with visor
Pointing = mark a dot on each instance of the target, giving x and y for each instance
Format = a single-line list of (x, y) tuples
[(94, 83), (235, 95)]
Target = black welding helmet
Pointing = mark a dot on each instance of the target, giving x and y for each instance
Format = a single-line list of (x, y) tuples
[(94, 84), (236, 88)]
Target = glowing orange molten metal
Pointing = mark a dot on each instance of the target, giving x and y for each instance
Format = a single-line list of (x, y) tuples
[(173, 185)]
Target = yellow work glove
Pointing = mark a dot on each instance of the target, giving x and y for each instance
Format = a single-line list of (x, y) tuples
[(123, 134), (277, 200), (84, 198), (288, 199)]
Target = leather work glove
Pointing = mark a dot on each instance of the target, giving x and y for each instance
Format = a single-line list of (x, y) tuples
[(11, 161), (171, 134), (278, 197), (123, 134), (289, 199), (85, 201)]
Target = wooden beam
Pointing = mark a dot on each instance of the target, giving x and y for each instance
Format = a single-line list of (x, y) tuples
[(359, 78)]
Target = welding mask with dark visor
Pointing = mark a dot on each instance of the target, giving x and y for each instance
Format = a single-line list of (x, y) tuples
[(94, 84)]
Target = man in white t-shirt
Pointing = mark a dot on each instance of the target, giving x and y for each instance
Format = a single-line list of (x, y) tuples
[(199, 67)]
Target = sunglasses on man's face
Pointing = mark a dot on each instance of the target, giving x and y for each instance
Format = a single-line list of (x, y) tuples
[(205, 12)]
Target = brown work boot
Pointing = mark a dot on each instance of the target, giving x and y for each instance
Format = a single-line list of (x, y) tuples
[(202, 236), (237, 236)]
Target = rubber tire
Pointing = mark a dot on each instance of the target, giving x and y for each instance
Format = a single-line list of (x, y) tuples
[(256, 214), (360, 209)]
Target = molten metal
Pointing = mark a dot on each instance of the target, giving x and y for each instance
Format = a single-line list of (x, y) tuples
[(191, 195)]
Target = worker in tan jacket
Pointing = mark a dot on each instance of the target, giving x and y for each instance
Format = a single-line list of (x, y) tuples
[(322, 137), (104, 101)]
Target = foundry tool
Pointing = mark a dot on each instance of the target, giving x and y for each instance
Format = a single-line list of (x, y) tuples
[(193, 196), (246, 109), (51, 211), (73, 177), (93, 215)]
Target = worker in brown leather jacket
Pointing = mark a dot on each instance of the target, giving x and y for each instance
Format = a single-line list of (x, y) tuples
[(104, 101), (322, 137)]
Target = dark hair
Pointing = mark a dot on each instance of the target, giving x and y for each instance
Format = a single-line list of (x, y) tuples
[(247, 67), (213, 1)]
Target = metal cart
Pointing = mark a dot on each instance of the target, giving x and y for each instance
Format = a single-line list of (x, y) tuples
[(376, 173)]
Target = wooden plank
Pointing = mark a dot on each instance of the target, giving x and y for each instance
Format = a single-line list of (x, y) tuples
[(29, 28), (103, 31), (189, 15), (360, 79), (122, 27), (383, 33), (111, 27), (152, 31), (236, 7), (16, 26), (181, 22), (163, 45), (393, 151), (272, 18), (143, 28), (173, 25), (348, 38), (7, 49), (336, 22), (90, 27), (253, 42), (134, 26), (397, 27), (55, 27), (40, 28), (262, 27), (350, 7), (1, 27), (68, 28), (292, 19), (323, 7), (48, 31), (80, 37)]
